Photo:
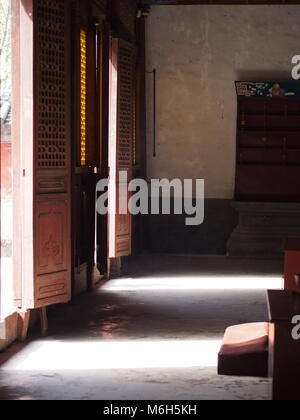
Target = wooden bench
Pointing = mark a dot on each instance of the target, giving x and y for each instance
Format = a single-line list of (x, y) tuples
[(245, 351)]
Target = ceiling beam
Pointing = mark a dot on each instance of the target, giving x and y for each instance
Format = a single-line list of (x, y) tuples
[(216, 2)]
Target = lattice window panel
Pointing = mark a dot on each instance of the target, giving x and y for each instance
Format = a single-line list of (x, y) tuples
[(125, 106), (83, 97), (51, 123)]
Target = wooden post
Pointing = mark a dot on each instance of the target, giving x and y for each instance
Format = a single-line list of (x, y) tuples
[(44, 320), (114, 267), (23, 324)]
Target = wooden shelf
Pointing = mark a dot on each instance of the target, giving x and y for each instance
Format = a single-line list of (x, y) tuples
[(268, 149)]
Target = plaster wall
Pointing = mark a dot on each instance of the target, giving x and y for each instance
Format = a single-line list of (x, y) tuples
[(199, 51)]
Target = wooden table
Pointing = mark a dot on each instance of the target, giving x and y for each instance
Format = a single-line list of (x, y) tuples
[(291, 263), (284, 351)]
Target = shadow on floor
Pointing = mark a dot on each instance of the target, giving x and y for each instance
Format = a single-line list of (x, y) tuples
[(183, 321)]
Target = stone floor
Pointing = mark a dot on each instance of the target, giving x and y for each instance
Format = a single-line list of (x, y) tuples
[(145, 337)]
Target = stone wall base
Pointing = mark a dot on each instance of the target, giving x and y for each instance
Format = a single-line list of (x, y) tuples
[(263, 229)]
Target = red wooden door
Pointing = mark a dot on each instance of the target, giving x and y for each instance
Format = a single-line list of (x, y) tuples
[(121, 135), (42, 170)]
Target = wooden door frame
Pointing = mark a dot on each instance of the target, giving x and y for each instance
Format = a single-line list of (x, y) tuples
[(16, 151), (22, 134), (93, 19), (102, 221), (82, 20)]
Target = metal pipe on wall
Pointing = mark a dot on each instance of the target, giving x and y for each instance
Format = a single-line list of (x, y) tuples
[(154, 112), (153, 72)]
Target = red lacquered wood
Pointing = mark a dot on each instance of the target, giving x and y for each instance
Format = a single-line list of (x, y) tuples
[(292, 264)]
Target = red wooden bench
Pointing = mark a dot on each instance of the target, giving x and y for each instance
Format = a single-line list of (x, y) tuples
[(245, 351)]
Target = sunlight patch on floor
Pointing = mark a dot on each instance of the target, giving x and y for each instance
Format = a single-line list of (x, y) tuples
[(195, 283), (59, 355)]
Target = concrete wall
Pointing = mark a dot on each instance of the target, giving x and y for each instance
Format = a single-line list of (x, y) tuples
[(199, 51)]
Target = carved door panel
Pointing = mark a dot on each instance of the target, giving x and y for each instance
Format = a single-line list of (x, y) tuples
[(51, 245), (44, 163), (121, 137), (52, 214)]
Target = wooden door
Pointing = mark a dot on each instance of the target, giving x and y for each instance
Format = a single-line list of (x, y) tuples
[(43, 162), (121, 135)]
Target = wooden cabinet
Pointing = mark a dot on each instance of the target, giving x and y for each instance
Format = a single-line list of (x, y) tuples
[(268, 149)]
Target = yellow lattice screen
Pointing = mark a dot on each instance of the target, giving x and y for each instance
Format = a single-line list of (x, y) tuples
[(83, 97), (135, 158), (101, 97)]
